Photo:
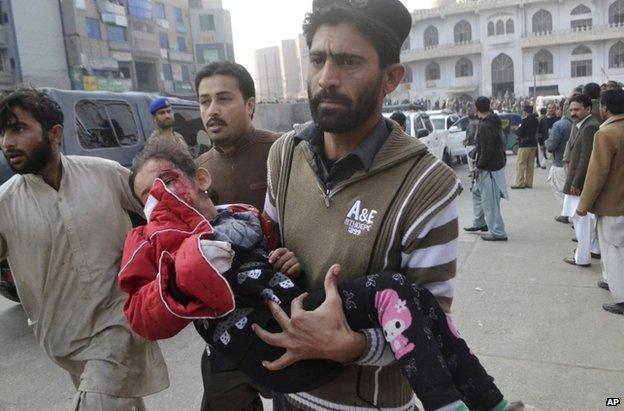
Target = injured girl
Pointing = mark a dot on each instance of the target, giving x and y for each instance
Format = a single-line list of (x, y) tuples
[(194, 261)]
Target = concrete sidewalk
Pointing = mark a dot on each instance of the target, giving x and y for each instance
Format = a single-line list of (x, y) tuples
[(536, 323)]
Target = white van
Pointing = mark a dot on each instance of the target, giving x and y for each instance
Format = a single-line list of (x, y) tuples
[(442, 121), (418, 125), (544, 101)]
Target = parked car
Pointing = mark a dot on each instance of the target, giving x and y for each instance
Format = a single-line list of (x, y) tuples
[(113, 126), (443, 121), (510, 123), (419, 125)]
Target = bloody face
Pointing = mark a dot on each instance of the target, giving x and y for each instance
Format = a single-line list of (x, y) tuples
[(176, 180)]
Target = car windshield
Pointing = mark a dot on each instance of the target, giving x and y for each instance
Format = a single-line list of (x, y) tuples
[(438, 123)]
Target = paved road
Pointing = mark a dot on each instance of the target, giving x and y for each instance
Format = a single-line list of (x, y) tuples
[(536, 323)]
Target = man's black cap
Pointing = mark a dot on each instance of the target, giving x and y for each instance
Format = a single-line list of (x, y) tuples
[(389, 14)]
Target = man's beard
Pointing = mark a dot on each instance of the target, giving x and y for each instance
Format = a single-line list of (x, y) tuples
[(36, 160), (341, 120), (165, 124)]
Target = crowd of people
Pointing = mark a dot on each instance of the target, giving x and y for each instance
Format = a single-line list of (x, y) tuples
[(273, 245), (582, 137), (465, 105)]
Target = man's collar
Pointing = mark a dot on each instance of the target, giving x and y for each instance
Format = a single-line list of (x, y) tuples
[(365, 151), (612, 119), (239, 145), (580, 123)]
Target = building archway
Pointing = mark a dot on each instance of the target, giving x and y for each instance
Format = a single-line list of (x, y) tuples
[(502, 75)]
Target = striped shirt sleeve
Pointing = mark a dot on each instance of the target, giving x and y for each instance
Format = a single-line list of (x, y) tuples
[(429, 257)]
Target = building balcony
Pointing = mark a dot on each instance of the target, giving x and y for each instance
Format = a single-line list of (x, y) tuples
[(115, 19), (109, 7), (571, 36), (145, 44), (162, 23), (467, 6), (440, 51), (119, 45), (180, 56), (501, 39), (181, 28)]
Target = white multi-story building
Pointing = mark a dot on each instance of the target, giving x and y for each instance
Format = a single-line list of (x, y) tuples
[(525, 47)]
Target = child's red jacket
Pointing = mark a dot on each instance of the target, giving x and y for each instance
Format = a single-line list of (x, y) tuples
[(164, 258)]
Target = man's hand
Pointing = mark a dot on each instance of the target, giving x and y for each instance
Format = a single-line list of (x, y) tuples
[(285, 261), (581, 213), (305, 335), (575, 191)]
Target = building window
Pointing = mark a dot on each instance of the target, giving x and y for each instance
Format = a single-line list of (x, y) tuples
[(167, 72), (463, 68), (502, 69), (432, 72), (408, 77), (500, 27), (3, 67), (406, 44), (116, 33), (510, 26), (490, 28), (543, 62), (542, 22), (616, 55), (431, 37), (463, 32), (159, 11), (616, 12), (581, 24), (93, 29), (179, 17), (581, 50), (164, 41), (103, 124), (580, 9), (582, 68), (206, 22), (181, 43), (141, 9), (186, 74)]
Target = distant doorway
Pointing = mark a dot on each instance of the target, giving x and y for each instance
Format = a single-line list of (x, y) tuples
[(502, 75)]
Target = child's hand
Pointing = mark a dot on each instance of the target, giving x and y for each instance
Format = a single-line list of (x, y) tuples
[(285, 261)]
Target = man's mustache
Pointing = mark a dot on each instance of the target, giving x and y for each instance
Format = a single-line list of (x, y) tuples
[(330, 95), (14, 153), (215, 121)]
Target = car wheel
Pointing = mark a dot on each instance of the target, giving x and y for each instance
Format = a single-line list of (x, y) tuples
[(514, 150), (7, 287)]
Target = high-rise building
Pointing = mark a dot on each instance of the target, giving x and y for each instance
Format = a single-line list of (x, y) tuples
[(31, 45), (268, 75), (291, 70), (211, 28), (304, 63), (122, 45)]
